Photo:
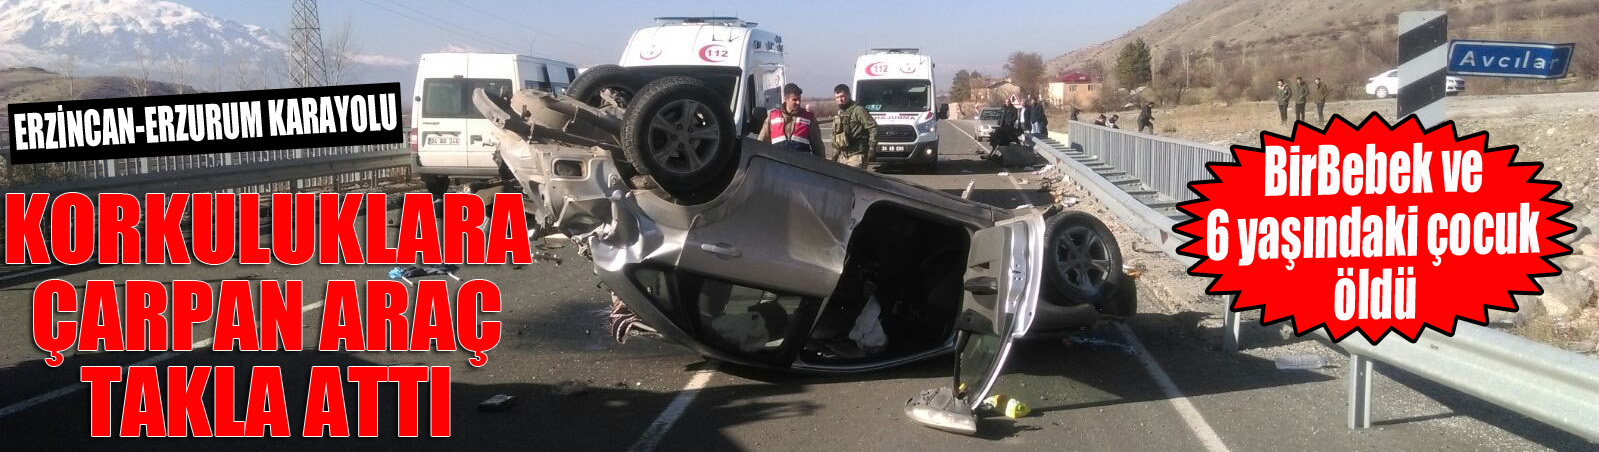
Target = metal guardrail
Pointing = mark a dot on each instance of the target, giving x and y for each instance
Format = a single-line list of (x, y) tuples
[(1540, 381), (1543, 382), (1164, 164)]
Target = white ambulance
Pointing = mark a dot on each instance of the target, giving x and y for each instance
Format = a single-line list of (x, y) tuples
[(449, 137), (896, 87), (742, 63)]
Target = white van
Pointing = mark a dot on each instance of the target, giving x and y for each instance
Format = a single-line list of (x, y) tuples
[(449, 137), (742, 63), (896, 87)]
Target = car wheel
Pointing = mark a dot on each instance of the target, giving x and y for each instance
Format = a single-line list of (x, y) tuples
[(1382, 92), (1083, 263), (606, 86), (679, 132)]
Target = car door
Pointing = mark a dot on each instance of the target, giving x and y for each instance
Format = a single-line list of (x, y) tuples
[(1003, 273)]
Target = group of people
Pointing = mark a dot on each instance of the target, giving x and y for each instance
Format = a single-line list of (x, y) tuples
[(1019, 120), (1146, 118), (1301, 94), (793, 127)]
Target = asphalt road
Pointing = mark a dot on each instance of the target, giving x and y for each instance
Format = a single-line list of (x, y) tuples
[(1167, 393)]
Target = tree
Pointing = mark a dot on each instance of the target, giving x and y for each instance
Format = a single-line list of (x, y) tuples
[(340, 49), (66, 64), (960, 90), (138, 76), (1132, 65), (1026, 71), (176, 72)]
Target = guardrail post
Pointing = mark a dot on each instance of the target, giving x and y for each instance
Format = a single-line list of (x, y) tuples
[(1359, 391), (1230, 330)]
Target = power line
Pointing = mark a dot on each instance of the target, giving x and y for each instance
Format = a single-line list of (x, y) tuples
[(482, 39), (432, 17), (501, 18)]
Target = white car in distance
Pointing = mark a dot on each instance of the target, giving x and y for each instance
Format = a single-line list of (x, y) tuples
[(1387, 84)]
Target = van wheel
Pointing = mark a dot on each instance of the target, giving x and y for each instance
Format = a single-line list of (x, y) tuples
[(680, 132), (1083, 263), (606, 86)]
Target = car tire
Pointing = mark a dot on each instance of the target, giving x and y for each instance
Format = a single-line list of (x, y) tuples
[(589, 86), (1382, 92), (679, 132), (1083, 264)]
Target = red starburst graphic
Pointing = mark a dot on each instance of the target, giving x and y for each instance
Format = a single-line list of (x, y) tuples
[(1374, 228)]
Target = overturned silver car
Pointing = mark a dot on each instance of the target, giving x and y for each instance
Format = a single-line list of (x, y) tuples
[(750, 254)]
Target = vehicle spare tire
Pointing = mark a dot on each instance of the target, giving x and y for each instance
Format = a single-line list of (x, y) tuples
[(1083, 264), (680, 132), (590, 86)]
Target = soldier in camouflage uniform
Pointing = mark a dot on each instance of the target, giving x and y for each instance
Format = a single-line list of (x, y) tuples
[(854, 131)]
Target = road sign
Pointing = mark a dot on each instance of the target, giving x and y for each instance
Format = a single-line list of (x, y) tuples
[(1509, 59)]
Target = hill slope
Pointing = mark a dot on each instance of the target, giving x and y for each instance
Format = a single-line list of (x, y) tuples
[(1233, 40)]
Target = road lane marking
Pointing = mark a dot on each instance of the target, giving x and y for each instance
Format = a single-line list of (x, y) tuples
[(657, 430), (1185, 409), (75, 387)]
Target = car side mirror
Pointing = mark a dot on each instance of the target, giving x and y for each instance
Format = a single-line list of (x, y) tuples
[(943, 111), (752, 124)]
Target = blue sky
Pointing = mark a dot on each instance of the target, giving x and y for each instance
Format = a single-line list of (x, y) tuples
[(823, 37)]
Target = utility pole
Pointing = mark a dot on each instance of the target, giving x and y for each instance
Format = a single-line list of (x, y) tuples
[(308, 68)]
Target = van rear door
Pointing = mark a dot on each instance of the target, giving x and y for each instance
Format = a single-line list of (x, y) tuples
[(452, 133)]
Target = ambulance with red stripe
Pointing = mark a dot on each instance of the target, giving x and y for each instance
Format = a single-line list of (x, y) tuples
[(742, 63), (896, 87)]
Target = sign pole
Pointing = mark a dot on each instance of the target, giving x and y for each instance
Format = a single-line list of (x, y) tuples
[(1423, 63)]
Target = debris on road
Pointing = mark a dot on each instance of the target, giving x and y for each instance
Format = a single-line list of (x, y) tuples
[(1099, 341), (1004, 174), (547, 256), (417, 271), (570, 387), (1069, 201), (1133, 271), (1022, 182), (1009, 407), (497, 403), (1298, 362)]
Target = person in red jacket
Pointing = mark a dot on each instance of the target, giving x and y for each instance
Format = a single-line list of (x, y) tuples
[(793, 127)]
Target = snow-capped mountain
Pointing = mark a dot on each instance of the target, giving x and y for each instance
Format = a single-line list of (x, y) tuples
[(105, 35)]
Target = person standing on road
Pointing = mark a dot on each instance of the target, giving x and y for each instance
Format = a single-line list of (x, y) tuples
[(1146, 117), (1100, 121), (1010, 119), (1112, 122), (1040, 121), (854, 131), (1303, 96), (1283, 94), (792, 127), (1321, 101), (1073, 114)]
